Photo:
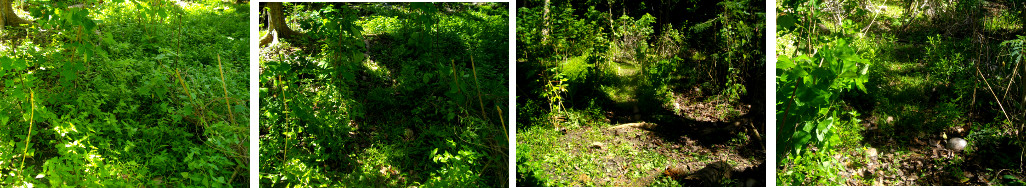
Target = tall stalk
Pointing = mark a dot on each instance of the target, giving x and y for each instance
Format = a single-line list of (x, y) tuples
[(503, 122), (286, 103), (479, 101), (456, 80), (185, 86), (28, 138), (225, 87)]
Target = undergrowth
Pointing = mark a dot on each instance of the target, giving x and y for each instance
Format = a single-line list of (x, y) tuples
[(867, 90), (125, 94), (386, 95)]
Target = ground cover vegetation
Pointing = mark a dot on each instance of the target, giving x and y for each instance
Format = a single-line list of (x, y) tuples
[(640, 93), (384, 94), (123, 94), (881, 92)]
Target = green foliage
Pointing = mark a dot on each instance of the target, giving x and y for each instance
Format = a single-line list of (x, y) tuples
[(1016, 51), (456, 170), (577, 69), (632, 38), (811, 86), (569, 68), (1015, 96), (391, 95), (948, 57), (670, 42), (596, 63), (816, 168), (117, 95), (380, 24), (740, 29), (932, 76)]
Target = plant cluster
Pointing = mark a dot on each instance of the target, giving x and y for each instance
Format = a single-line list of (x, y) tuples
[(852, 74), (125, 94), (585, 64), (387, 94)]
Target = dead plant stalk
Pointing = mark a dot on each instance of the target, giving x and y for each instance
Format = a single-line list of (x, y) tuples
[(225, 87)]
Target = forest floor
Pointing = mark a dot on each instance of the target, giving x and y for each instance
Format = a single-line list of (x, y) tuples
[(901, 146), (630, 143), (898, 148)]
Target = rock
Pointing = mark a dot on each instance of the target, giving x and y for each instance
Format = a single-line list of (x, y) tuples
[(956, 144), (597, 145)]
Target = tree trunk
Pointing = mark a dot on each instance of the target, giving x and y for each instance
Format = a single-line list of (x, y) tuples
[(7, 16), (545, 18), (276, 25)]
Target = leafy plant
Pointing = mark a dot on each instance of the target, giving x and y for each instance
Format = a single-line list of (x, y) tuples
[(384, 94), (810, 111), (105, 95)]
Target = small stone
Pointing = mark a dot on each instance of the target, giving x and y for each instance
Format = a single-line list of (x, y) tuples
[(597, 145), (956, 144)]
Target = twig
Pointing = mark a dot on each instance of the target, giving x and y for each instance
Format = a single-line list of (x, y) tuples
[(874, 19), (996, 99), (640, 125), (233, 174), (1011, 78)]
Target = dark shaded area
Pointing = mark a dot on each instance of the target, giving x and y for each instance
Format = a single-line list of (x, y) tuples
[(417, 96), (681, 77)]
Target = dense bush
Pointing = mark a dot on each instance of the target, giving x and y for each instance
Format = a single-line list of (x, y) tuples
[(631, 38), (384, 94), (126, 94)]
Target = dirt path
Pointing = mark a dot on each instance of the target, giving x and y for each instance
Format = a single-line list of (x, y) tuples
[(635, 154)]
